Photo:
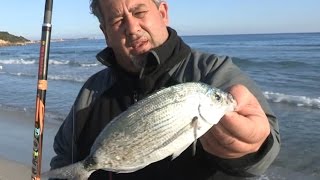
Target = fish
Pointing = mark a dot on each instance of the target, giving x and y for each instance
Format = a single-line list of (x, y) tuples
[(161, 125)]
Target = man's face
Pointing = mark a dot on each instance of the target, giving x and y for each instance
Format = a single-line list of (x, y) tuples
[(132, 28)]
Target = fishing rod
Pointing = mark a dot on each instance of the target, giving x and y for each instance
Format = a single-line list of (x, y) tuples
[(41, 91)]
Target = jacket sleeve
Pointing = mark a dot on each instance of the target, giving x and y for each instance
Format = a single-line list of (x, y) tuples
[(65, 141), (222, 73), (252, 164), (225, 74), (64, 145)]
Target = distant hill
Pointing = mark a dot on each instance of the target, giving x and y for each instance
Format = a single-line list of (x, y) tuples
[(7, 39)]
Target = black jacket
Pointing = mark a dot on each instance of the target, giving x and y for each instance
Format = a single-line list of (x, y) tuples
[(112, 90)]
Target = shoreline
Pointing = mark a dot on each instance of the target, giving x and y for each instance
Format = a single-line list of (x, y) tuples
[(7, 43), (16, 144)]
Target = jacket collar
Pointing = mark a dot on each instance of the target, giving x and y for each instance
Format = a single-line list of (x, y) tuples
[(156, 56), (159, 61)]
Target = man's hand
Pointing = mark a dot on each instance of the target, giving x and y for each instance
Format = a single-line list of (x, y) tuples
[(240, 132)]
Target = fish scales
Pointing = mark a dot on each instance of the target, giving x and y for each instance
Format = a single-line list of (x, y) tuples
[(163, 124), (161, 132), (156, 130), (147, 126)]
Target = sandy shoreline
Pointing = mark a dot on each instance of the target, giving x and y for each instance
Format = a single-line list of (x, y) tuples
[(16, 144), (7, 43)]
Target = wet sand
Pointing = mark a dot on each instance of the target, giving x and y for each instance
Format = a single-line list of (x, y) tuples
[(16, 144)]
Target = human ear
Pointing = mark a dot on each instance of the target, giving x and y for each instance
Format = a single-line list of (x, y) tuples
[(163, 9)]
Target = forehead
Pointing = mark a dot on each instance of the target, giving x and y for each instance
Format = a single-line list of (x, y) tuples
[(116, 6)]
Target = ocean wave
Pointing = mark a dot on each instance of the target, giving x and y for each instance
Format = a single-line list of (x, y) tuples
[(72, 63), (51, 62), (4, 53), (49, 115), (89, 65), (275, 61), (18, 61), (82, 64), (301, 101), (280, 63), (67, 78), (12, 108), (25, 62), (296, 45), (57, 62), (22, 74)]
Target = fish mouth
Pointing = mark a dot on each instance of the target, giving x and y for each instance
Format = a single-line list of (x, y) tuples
[(231, 100)]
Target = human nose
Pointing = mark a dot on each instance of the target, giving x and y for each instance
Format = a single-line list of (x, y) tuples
[(132, 26)]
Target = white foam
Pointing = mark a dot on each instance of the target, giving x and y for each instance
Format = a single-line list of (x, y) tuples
[(67, 78), (22, 61), (21, 74), (89, 65), (19, 61), (301, 101), (52, 77), (51, 62), (56, 62)]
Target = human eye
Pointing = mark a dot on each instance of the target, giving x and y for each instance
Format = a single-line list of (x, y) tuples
[(116, 21), (140, 13)]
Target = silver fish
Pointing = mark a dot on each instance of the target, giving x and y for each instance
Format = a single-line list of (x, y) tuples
[(161, 125)]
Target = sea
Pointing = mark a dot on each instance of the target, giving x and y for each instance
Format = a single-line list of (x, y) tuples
[(286, 66)]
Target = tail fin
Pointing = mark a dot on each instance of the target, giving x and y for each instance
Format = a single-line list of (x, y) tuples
[(73, 171)]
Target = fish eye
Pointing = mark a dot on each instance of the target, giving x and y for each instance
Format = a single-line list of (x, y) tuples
[(217, 96)]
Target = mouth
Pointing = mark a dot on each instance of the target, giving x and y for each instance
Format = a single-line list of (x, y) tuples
[(139, 47)]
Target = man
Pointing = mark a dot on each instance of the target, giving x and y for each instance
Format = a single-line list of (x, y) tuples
[(144, 55)]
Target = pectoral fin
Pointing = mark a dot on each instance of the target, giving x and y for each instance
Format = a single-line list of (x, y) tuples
[(195, 126)]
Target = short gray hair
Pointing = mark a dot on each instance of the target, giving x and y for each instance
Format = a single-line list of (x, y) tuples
[(96, 10)]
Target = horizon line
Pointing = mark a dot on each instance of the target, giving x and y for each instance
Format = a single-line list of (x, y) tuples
[(184, 35)]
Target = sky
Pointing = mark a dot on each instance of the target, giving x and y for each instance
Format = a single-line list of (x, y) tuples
[(72, 18)]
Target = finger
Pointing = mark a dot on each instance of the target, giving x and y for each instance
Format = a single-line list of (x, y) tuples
[(228, 141), (246, 129), (249, 120), (242, 96), (211, 145), (222, 135)]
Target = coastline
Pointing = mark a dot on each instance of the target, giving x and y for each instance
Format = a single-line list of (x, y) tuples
[(16, 143), (7, 43)]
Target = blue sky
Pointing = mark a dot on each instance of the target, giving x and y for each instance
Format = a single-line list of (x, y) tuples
[(72, 18)]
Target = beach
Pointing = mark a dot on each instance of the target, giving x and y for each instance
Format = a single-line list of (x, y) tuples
[(16, 144)]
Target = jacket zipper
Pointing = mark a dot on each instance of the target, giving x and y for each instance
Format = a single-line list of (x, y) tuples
[(135, 96)]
